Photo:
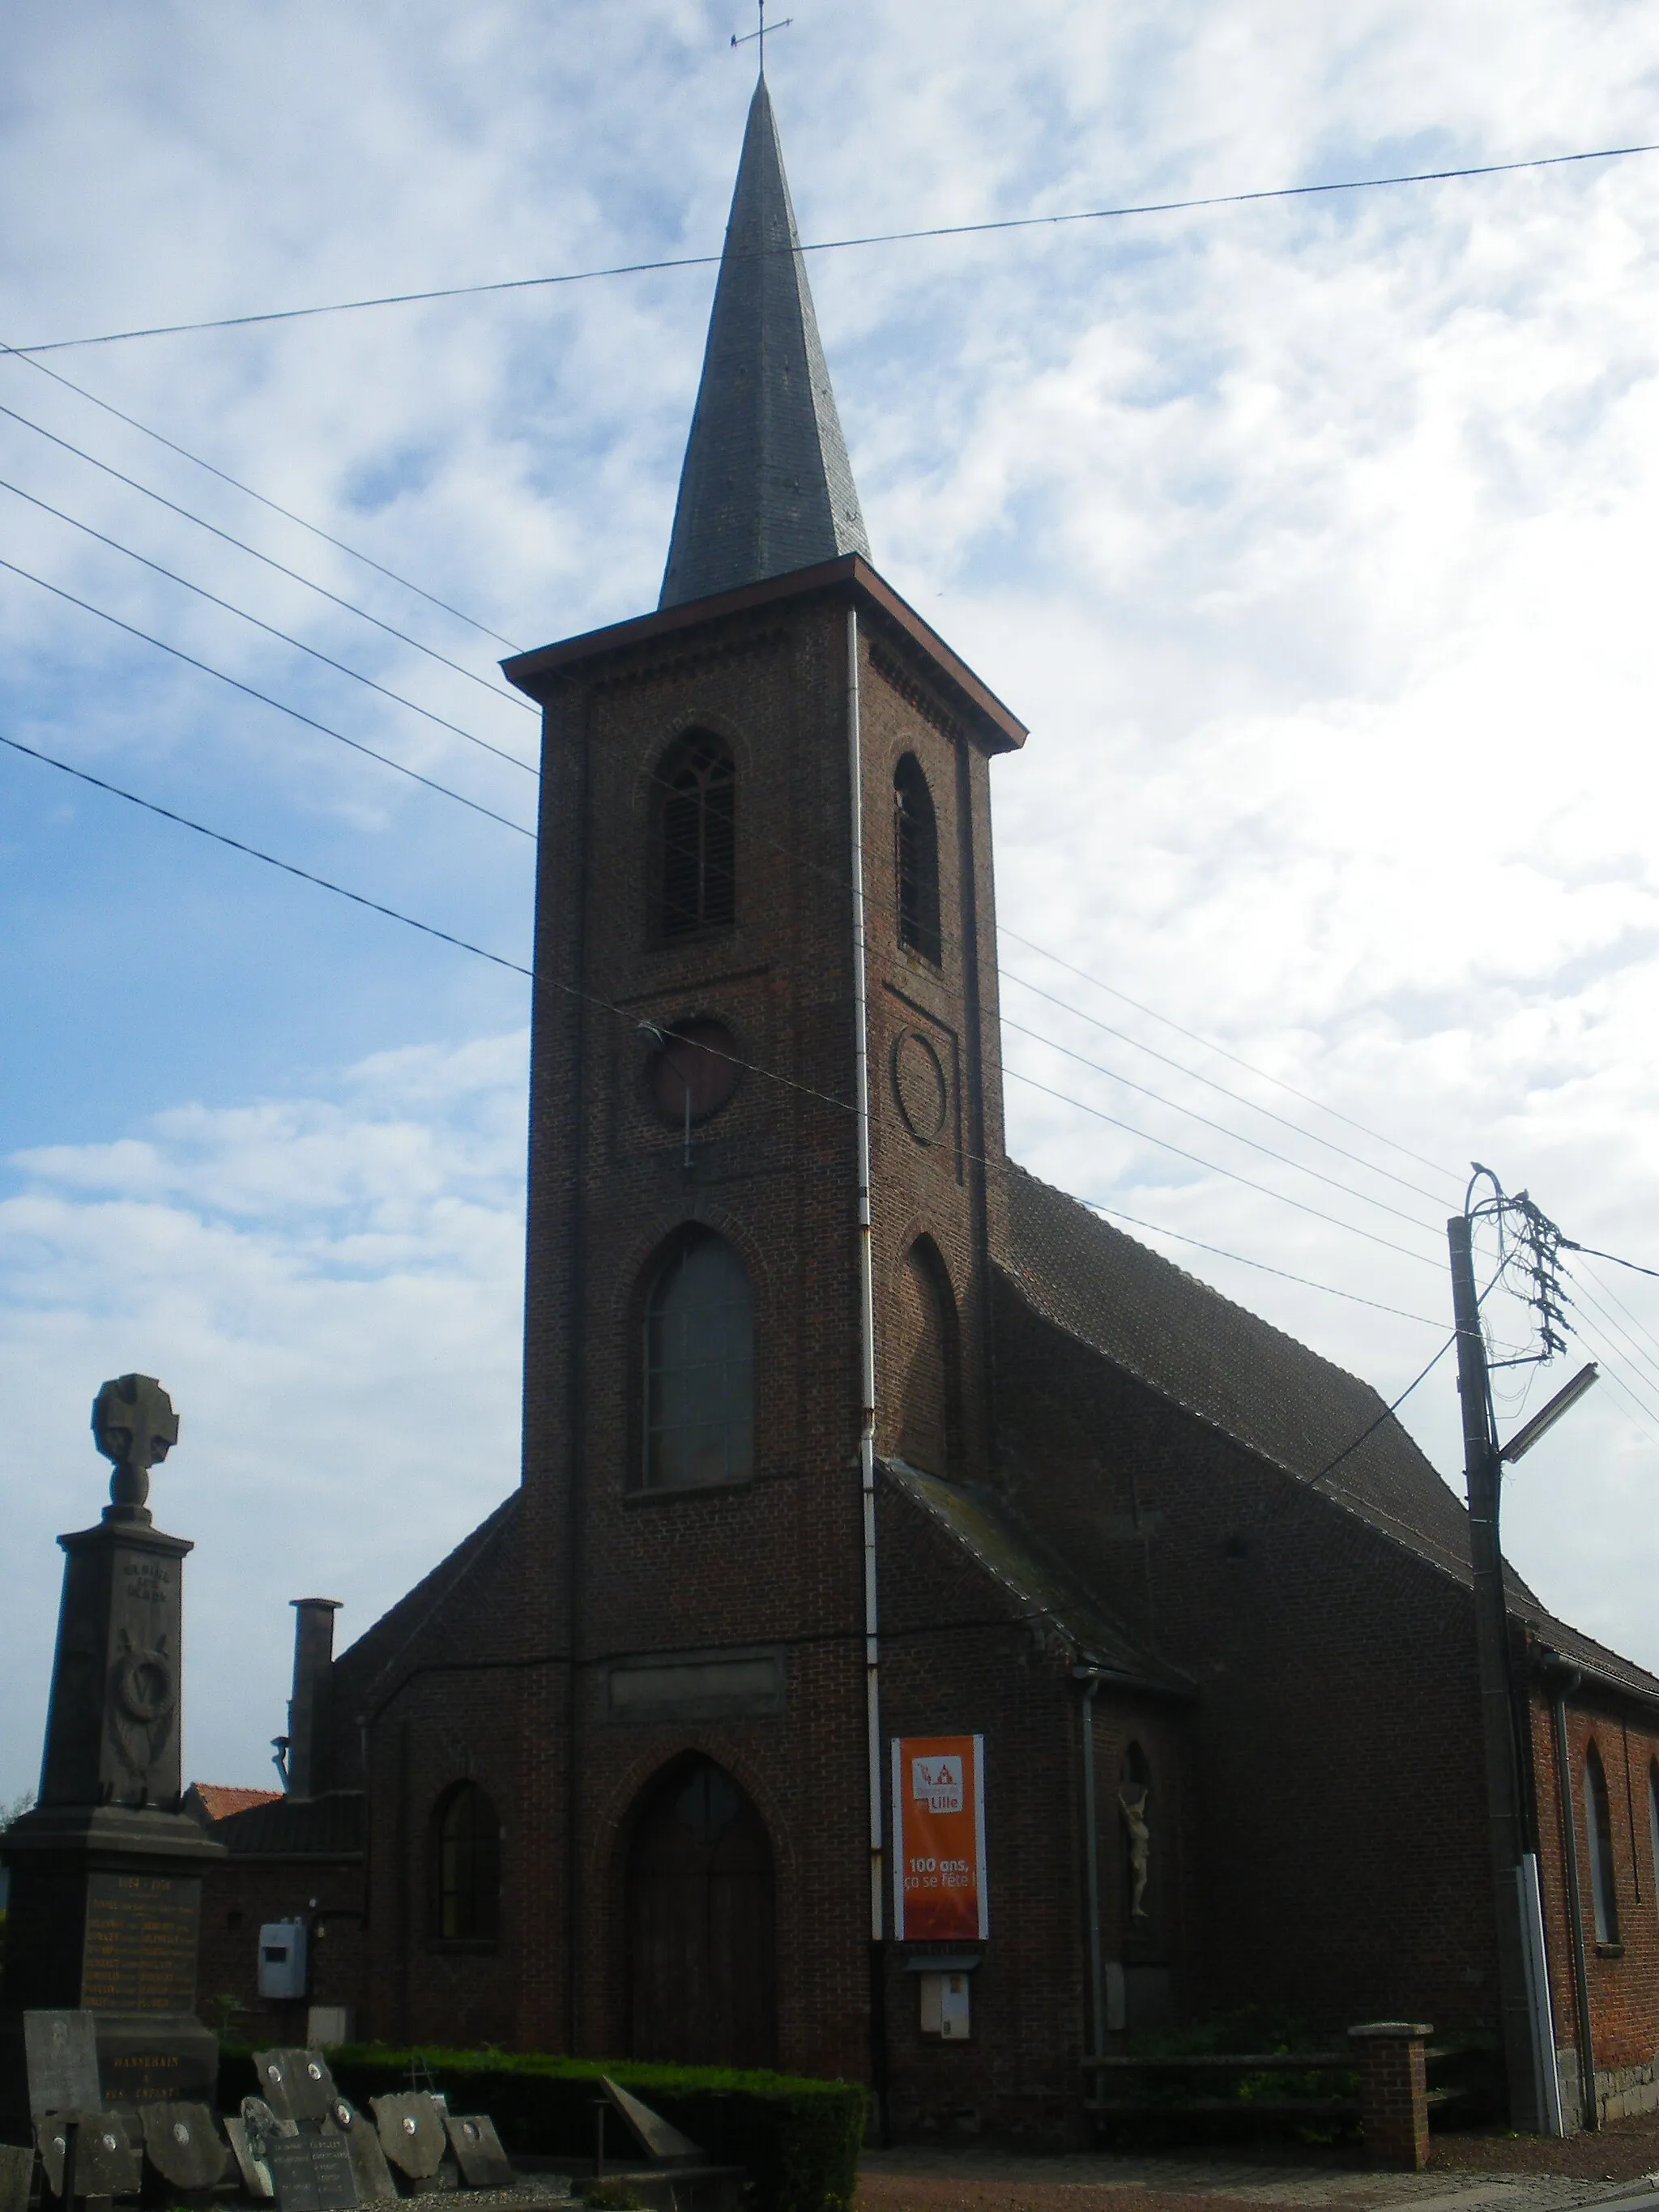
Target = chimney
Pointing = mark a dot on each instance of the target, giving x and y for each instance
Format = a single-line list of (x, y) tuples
[(314, 1654)]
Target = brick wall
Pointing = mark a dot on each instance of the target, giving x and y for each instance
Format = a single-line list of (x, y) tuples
[(1342, 1867), (239, 1897), (1623, 1977)]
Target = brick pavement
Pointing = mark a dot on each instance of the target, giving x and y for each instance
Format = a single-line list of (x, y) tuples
[(940, 2180)]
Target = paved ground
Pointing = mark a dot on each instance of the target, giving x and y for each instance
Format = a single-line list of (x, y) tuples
[(1469, 2173)]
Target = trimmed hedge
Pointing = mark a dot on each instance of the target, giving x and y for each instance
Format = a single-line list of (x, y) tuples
[(798, 2138)]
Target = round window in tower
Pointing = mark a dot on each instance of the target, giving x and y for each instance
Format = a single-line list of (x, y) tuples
[(697, 1063)]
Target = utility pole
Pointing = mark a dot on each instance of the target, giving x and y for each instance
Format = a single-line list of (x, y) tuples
[(1483, 1469)]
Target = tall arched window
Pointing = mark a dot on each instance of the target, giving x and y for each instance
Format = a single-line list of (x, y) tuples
[(1653, 1823), (696, 836), (699, 1367), (1604, 1896), (925, 1338), (466, 1867), (916, 858)]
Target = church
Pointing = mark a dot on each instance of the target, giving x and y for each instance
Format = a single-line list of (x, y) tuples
[(934, 1637)]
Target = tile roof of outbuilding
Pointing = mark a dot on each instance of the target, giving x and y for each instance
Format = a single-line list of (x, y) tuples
[(218, 1800), (1241, 1375), (766, 487)]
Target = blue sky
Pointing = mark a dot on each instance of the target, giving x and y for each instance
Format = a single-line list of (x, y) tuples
[(1313, 540)]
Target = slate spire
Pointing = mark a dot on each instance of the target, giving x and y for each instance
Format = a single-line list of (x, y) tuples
[(766, 487)]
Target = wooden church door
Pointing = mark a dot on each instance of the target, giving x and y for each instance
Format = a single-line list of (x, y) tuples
[(699, 1924)]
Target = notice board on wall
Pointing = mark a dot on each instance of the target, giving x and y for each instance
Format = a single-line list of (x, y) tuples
[(939, 1838)]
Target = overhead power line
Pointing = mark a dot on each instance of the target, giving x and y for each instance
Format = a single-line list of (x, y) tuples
[(1610, 1364), (270, 629), (1635, 1320), (287, 513), (1210, 1083), (1612, 1258), (1213, 1167), (265, 699), (804, 858), (294, 575), (842, 245), (1641, 1363), (1387, 1414), (395, 913), (1000, 1064), (1179, 1236), (517, 966), (1235, 1136), (1210, 1045)]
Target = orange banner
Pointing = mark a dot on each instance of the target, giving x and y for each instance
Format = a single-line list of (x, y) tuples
[(938, 1838)]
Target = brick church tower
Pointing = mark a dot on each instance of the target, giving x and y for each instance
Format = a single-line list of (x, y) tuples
[(763, 1094)]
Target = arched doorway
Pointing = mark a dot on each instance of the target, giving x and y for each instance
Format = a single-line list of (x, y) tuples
[(700, 1923)]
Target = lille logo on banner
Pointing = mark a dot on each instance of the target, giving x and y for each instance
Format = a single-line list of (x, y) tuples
[(938, 1838)]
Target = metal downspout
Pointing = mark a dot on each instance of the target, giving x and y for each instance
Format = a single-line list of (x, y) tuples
[(1589, 2110), (1091, 1870), (867, 1361)]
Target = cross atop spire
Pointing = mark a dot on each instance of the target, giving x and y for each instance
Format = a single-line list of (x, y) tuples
[(761, 34), (766, 487)]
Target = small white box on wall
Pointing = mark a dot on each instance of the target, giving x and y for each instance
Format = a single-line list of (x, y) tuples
[(946, 2009), (283, 1959)]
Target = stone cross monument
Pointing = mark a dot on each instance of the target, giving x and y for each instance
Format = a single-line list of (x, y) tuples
[(107, 1870)]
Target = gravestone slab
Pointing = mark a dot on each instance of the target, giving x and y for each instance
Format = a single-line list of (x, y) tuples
[(16, 2173), (88, 2154), (51, 2137), (374, 2175), (478, 2153), (250, 2163), (103, 2162), (297, 2084), (183, 2145), (312, 2171), (411, 2130), (62, 2051)]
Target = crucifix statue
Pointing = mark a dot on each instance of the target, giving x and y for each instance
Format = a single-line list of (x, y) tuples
[(133, 1424), (1133, 1803)]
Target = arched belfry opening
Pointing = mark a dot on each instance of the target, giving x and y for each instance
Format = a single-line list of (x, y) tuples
[(694, 812), (916, 860), (702, 1971)]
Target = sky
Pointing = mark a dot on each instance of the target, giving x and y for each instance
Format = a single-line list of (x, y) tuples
[(1313, 538)]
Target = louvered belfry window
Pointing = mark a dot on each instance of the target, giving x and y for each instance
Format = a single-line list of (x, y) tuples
[(915, 857), (698, 821)]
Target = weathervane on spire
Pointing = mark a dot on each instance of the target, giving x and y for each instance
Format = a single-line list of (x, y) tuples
[(761, 34)]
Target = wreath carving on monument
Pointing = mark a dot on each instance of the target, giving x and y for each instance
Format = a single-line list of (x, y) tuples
[(145, 1685)]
